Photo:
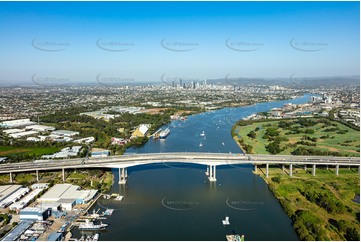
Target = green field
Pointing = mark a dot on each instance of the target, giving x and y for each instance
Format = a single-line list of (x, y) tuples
[(37, 151), (320, 206), (317, 134)]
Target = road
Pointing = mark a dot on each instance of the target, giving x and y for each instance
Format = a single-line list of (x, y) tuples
[(123, 161)]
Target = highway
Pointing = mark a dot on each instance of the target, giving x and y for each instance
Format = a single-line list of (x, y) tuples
[(124, 161)]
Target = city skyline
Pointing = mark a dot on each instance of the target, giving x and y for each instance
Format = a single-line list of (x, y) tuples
[(141, 41)]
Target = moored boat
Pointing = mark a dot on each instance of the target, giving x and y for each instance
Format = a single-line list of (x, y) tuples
[(164, 133)]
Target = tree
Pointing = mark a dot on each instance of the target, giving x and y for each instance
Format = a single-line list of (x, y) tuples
[(252, 135)]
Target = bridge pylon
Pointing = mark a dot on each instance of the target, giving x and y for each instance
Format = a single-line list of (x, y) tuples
[(123, 174), (211, 173)]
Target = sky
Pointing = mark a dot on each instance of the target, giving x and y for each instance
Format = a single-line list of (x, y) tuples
[(160, 41)]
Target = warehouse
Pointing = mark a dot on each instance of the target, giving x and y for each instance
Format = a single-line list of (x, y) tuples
[(25, 200), (59, 192), (13, 131), (35, 213), (18, 230), (7, 190), (23, 134), (16, 123), (66, 133), (40, 128), (13, 197)]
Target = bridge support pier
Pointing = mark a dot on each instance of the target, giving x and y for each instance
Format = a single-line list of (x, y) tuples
[(63, 171), (326, 167), (305, 167), (267, 166), (207, 172), (212, 173), (314, 170), (291, 170), (337, 169), (37, 175), (11, 177), (255, 168), (123, 174), (283, 167)]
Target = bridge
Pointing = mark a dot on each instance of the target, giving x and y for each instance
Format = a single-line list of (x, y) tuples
[(211, 160)]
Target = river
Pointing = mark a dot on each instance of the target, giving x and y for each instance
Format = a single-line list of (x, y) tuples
[(177, 202)]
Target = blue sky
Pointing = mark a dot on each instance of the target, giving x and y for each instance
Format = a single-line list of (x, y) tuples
[(141, 41)]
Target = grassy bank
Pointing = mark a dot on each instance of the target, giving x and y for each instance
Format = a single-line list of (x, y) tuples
[(320, 206), (307, 136)]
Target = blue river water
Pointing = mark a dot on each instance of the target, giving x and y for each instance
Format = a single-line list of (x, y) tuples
[(177, 202)]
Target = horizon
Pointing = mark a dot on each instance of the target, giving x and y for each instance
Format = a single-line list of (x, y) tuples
[(142, 41)]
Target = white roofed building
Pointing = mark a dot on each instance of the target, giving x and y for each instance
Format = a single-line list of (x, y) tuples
[(68, 192), (40, 128)]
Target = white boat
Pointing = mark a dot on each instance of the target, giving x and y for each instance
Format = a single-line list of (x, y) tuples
[(203, 134), (234, 237), (96, 237), (226, 221), (222, 143), (200, 144), (164, 133), (109, 211), (119, 198), (88, 225)]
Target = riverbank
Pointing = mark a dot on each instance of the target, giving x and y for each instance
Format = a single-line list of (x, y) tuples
[(321, 207)]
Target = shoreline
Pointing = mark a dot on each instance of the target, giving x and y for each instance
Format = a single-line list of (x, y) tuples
[(288, 200)]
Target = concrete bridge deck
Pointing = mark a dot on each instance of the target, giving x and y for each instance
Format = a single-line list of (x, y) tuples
[(210, 159)]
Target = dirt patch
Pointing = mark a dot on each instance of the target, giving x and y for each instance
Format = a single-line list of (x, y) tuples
[(338, 150), (329, 148), (153, 110), (292, 140), (12, 151)]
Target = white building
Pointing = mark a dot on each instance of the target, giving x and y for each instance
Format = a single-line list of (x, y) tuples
[(65, 133), (13, 131), (22, 134), (35, 213), (40, 186), (32, 139), (25, 200), (16, 123), (87, 140), (40, 128), (68, 192)]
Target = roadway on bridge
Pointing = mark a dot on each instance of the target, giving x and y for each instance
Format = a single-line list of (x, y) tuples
[(123, 161)]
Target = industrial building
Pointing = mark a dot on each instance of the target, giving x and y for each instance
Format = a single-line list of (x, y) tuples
[(141, 131), (40, 186), (35, 213), (25, 200), (97, 152), (16, 123), (55, 236), (13, 131), (68, 195), (65, 133), (40, 128), (22, 134), (18, 230), (86, 140), (64, 153), (13, 197), (7, 190), (3, 159)]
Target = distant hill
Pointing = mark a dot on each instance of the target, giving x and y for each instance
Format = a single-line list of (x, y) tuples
[(291, 81)]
